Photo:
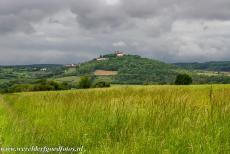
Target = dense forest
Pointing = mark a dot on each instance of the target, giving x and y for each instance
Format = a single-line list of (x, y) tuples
[(209, 66)]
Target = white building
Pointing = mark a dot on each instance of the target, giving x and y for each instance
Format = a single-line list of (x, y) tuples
[(43, 69), (119, 54), (71, 65), (102, 59)]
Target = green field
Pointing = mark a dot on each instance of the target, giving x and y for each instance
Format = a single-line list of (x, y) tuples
[(127, 119), (73, 79)]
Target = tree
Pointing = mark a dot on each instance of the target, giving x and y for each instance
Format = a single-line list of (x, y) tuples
[(183, 79), (84, 83)]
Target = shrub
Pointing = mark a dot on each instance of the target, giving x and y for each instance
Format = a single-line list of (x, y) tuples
[(19, 88), (84, 83), (101, 84), (183, 79)]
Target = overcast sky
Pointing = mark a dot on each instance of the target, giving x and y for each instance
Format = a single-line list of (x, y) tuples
[(72, 31)]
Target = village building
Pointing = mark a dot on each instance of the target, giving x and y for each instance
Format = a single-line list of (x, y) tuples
[(71, 65), (102, 59), (43, 69)]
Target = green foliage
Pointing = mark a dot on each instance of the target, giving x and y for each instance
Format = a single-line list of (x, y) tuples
[(101, 84), (41, 85), (20, 88), (210, 66), (84, 83), (220, 79), (183, 79)]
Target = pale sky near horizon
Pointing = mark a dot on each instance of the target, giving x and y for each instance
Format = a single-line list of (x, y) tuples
[(72, 31)]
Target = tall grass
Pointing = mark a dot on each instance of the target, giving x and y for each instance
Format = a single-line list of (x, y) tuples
[(140, 119)]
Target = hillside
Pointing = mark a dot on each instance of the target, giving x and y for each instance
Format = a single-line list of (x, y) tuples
[(131, 69), (219, 66)]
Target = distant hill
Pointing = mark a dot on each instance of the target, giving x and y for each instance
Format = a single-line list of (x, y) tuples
[(219, 66), (117, 69), (132, 69)]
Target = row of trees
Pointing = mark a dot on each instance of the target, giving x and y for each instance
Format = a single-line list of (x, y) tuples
[(41, 85), (84, 83), (46, 85)]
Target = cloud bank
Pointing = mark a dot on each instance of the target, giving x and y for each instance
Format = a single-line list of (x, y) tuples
[(72, 31)]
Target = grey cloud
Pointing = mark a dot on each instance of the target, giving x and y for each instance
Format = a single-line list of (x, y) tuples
[(12, 23), (17, 16), (205, 9), (96, 15), (59, 31)]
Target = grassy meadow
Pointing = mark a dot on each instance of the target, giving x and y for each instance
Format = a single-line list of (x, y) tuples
[(126, 119)]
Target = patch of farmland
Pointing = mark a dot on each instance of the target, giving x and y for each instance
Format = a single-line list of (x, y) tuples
[(105, 73), (68, 79)]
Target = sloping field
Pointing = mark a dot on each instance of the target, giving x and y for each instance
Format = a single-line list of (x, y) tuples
[(105, 73), (68, 79), (140, 119)]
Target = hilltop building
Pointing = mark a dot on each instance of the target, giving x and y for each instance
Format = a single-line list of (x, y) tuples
[(116, 53), (119, 53)]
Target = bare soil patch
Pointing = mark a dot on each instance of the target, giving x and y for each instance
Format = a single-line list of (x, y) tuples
[(105, 72)]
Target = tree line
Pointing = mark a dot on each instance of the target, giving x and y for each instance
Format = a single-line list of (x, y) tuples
[(50, 85)]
